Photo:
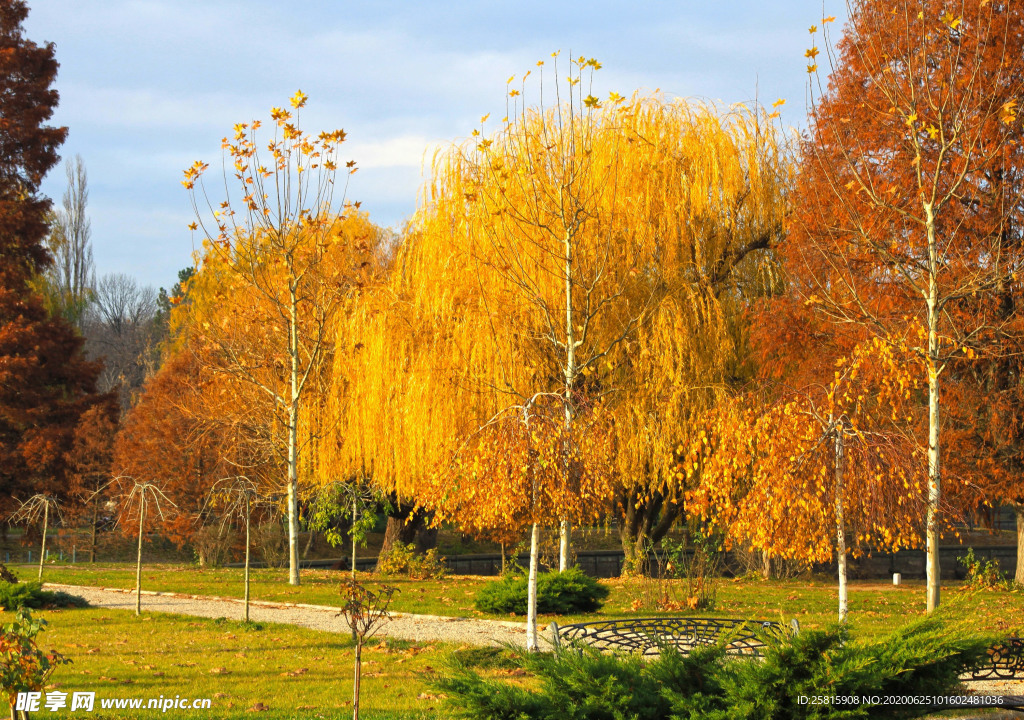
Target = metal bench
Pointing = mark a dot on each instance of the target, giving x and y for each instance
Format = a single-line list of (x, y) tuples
[(647, 635), (1005, 662)]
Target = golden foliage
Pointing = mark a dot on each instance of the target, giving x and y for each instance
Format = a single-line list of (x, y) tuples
[(567, 297)]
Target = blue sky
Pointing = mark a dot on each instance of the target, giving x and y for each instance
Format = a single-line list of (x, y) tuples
[(149, 86)]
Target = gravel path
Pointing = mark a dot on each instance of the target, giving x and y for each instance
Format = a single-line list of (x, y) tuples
[(420, 628)]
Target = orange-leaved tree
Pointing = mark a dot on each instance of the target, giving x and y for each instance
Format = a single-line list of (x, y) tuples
[(812, 473), (907, 191), (265, 247)]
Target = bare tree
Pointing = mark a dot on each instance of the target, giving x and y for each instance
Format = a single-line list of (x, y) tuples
[(72, 275), (119, 329), (133, 497), (31, 511)]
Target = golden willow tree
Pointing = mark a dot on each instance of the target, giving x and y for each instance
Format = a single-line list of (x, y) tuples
[(565, 303), (821, 472), (266, 250)]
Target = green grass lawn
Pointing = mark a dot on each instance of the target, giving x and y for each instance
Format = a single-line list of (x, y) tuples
[(875, 606), (292, 671), (299, 673)]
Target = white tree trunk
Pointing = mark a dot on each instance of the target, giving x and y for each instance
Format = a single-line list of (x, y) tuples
[(1019, 575), (248, 516), (840, 524), (564, 527), (42, 551), (138, 558), (564, 537), (531, 591), (932, 569), (293, 438)]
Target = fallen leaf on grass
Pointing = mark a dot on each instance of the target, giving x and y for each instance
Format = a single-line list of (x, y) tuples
[(306, 707), (219, 671), (158, 674), (92, 651), (258, 707), (220, 695)]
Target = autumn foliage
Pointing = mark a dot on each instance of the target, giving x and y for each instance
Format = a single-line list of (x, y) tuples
[(45, 382)]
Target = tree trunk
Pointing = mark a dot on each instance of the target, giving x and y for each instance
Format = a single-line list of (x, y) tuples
[(355, 681), (138, 558), (531, 591), (404, 525), (840, 522), (932, 569), (247, 518), (42, 550), (355, 517), (564, 536), (293, 432), (643, 522), (293, 496), (1019, 510), (92, 534), (565, 525), (636, 556)]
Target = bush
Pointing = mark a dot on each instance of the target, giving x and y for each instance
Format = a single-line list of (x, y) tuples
[(24, 667), (212, 545), (558, 593), (404, 561), (922, 658), (272, 542), (983, 574), (31, 595)]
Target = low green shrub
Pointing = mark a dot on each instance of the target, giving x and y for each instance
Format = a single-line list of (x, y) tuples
[(485, 658), (31, 595), (983, 574), (581, 683), (404, 561), (559, 593)]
